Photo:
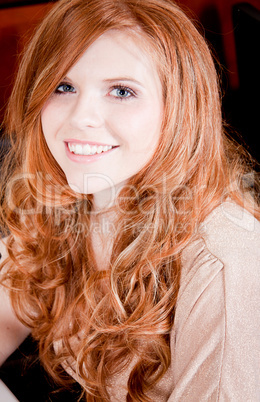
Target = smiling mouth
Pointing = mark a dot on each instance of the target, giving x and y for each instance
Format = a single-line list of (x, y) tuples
[(87, 149)]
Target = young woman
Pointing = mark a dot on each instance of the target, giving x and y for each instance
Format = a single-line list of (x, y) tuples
[(131, 251)]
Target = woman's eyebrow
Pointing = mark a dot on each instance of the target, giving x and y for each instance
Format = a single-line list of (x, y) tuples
[(66, 79), (127, 79)]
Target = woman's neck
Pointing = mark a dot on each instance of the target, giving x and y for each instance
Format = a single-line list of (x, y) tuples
[(103, 231)]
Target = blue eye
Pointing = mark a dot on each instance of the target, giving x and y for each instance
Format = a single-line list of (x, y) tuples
[(122, 92), (64, 88)]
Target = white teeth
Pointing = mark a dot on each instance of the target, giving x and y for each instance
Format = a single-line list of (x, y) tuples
[(78, 149), (94, 150), (87, 149), (71, 147)]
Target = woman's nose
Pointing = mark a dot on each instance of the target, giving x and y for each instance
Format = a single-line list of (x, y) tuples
[(86, 112)]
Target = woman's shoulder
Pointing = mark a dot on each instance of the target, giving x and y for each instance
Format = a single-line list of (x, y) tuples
[(232, 235), (217, 318), (228, 238), (223, 262), (230, 231)]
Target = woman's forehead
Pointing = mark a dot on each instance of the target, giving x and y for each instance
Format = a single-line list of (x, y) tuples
[(122, 52)]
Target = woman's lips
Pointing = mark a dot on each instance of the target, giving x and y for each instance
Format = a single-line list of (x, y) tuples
[(84, 152)]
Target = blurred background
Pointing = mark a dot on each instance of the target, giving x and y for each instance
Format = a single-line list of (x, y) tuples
[(231, 28)]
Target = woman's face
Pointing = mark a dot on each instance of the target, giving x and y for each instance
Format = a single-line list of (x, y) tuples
[(102, 124)]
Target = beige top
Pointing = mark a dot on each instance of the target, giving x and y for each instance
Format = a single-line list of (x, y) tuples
[(215, 341)]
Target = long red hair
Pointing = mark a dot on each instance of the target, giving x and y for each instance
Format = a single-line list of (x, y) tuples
[(125, 313)]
